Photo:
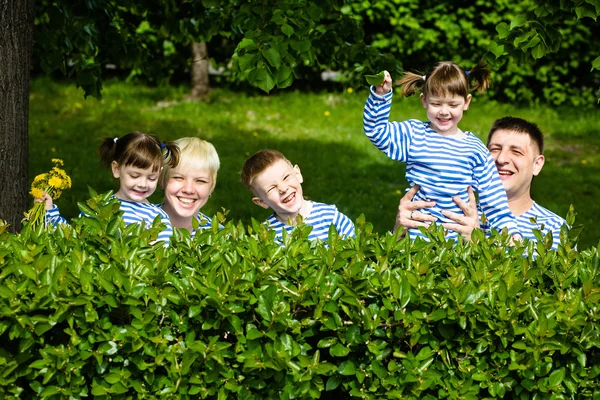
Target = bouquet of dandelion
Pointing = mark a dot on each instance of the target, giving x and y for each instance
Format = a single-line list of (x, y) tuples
[(52, 183)]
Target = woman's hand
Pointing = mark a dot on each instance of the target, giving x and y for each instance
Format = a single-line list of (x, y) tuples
[(45, 199), (386, 86), (463, 224), (408, 216)]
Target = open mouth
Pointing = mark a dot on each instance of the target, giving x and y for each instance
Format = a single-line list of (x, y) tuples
[(505, 174), (186, 202), (290, 198)]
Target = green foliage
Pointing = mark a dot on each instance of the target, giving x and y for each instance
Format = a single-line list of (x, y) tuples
[(97, 309), (375, 80)]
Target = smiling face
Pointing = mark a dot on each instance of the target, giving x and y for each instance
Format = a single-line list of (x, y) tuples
[(517, 159), (186, 191), (136, 184), (279, 187), (445, 112)]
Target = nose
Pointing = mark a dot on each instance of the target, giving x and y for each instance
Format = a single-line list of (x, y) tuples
[(444, 109), (283, 188), (501, 157), (188, 186)]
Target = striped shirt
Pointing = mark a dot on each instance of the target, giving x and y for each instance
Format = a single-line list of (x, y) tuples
[(133, 212), (540, 218), (321, 217), (442, 166)]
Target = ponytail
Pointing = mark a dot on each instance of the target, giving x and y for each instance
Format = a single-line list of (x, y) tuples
[(411, 83), (479, 77), (170, 152), (108, 150)]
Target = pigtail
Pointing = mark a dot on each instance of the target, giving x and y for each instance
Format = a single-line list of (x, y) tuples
[(411, 83), (108, 150), (479, 76), (170, 152)]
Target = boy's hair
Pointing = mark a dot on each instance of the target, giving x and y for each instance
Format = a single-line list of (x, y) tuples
[(257, 163), (447, 78), (193, 153), (139, 149), (519, 125)]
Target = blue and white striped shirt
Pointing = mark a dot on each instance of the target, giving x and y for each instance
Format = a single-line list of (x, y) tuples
[(545, 221), (133, 212), (442, 166), (321, 217)]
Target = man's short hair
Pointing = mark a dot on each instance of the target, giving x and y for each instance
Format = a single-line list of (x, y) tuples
[(259, 162), (519, 125)]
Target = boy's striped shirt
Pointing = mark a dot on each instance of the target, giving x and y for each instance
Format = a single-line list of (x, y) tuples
[(321, 217)]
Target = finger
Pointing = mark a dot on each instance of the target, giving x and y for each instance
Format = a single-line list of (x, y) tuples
[(419, 205), (419, 216), (454, 227)]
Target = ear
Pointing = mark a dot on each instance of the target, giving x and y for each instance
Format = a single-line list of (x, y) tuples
[(258, 201), (538, 163), (298, 173), (115, 169), (423, 100), (467, 102)]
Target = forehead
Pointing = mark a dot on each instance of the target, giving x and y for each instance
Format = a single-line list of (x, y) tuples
[(131, 169), (446, 98), (190, 171), (273, 172), (503, 137)]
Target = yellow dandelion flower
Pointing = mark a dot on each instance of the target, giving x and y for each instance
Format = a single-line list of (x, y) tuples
[(327, 113), (39, 178), (350, 90), (68, 180), (55, 182), (58, 161), (37, 193), (584, 161)]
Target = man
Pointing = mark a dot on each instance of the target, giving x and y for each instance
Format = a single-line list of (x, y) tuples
[(517, 147)]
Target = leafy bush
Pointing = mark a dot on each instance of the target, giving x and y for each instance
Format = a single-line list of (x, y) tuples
[(98, 309)]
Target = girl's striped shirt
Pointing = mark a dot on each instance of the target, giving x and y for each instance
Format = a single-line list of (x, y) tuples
[(442, 166)]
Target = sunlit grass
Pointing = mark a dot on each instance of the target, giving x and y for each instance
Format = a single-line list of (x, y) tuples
[(321, 132)]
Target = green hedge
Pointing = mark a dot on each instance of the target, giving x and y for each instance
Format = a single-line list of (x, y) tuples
[(96, 309)]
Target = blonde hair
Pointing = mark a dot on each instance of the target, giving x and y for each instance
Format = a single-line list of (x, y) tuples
[(446, 78), (194, 153)]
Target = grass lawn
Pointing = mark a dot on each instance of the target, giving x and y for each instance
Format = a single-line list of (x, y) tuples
[(321, 132)]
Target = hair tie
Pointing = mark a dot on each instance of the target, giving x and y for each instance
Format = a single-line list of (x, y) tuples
[(115, 139), (467, 73), (162, 146), (424, 77)]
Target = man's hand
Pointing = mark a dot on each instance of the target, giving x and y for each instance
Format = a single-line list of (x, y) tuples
[(408, 216), (463, 224)]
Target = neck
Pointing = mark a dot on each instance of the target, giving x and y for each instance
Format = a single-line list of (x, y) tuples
[(176, 220), (520, 204)]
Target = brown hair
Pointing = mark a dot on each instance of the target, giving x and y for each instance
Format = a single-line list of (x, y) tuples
[(139, 149), (519, 125), (257, 163), (445, 78)]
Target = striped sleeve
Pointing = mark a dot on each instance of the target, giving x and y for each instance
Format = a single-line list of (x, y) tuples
[(54, 218), (343, 224), (392, 138), (134, 212), (492, 196)]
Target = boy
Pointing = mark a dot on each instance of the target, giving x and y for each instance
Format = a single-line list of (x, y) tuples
[(277, 184)]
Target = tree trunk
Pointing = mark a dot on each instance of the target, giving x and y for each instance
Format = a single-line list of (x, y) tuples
[(16, 41), (200, 85)]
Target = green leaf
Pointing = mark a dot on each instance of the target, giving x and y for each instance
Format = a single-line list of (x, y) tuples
[(273, 57), (287, 30), (503, 30), (596, 64), (284, 77), (538, 51), (518, 21), (556, 377), (261, 79), (347, 368), (333, 382), (339, 350), (375, 80)]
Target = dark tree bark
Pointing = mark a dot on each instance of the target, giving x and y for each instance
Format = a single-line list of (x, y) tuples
[(200, 85), (16, 40)]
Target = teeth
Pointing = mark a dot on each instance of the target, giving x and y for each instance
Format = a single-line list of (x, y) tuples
[(186, 201)]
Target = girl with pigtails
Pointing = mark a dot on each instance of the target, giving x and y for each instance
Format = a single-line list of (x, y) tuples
[(444, 161), (136, 159)]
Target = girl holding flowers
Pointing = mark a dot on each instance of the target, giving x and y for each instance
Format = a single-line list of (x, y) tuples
[(136, 159)]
